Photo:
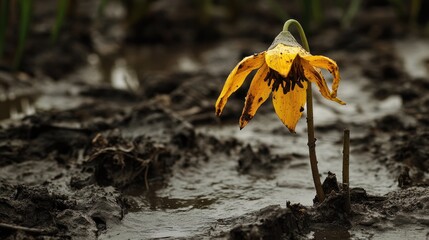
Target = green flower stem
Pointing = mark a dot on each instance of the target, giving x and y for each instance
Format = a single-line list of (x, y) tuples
[(310, 125), (300, 30)]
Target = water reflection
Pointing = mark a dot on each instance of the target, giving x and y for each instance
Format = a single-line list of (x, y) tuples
[(163, 203), (329, 233), (151, 200)]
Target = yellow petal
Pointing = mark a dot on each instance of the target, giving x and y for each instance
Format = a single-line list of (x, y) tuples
[(328, 64), (289, 107), (316, 77), (237, 77), (257, 94), (280, 58)]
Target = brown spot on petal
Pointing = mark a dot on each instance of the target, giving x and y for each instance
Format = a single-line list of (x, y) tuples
[(245, 116), (248, 104), (260, 100), (301, 109), (294, 78), (244, 119), (218, 109)]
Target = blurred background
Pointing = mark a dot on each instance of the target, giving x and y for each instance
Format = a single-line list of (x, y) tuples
[(139, 40)]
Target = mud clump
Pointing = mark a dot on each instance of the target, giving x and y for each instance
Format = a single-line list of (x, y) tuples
[(393, 209), (30, 207), (120, 163), (258, 162), (251, 161), (330, 184), (333, 209), (272, 222), (414, 152), (40, 212), (389, 66), (330, 217)]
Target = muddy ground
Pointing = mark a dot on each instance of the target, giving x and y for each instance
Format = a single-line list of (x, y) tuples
[(111, 134)]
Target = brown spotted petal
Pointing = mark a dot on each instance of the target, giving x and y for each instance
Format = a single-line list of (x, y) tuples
[(257, 94), (237, 77), (328, 64), (312, 75)]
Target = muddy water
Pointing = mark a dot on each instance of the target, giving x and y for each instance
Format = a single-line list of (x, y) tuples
[(195, 198)]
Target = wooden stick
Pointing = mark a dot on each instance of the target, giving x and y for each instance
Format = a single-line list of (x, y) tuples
[(27, 229), (346, 165)]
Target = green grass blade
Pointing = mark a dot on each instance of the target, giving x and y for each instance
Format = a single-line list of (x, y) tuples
[(350, 13), (414, 12), (4, 15), (61, 13), (316, 11), (101, 7), (399, 7), (24, 22)]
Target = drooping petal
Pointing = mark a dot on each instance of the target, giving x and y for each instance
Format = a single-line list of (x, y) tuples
[(237, 77), (316, 77), (257, 94), (289, 107), (328, 64), (280, 58)]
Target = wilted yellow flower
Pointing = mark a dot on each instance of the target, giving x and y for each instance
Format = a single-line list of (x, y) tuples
[(283, 71)]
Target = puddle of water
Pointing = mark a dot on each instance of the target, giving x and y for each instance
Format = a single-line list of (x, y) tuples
[(395, 232), (329, 233), (197, 197)]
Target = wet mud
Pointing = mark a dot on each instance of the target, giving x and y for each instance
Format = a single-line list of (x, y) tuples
[(103, 145)]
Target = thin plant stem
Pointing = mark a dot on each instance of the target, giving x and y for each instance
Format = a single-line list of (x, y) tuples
[(310, 125), (27, 229), (346, 160)]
